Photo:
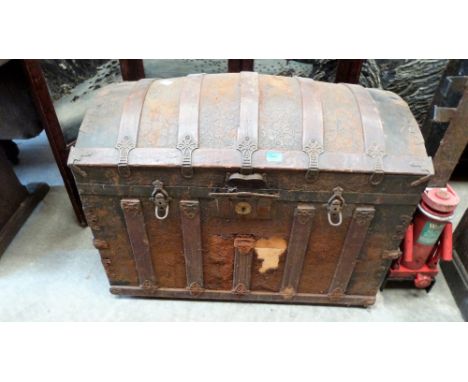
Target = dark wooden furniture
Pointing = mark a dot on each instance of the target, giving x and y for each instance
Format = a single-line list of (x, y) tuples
[(237, 66), (348, 71), (16, 201), (132, 70), (46, 111)]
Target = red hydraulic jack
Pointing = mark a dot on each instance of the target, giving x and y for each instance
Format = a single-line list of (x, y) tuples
[(427, 240)]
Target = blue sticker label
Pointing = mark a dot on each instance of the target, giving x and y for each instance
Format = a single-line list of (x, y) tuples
[(274, 156)]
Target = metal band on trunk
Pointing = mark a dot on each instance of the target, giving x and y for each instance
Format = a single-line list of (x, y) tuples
[(372, 128), (247, 135), (189, 111), (130, 122), (312, 126)]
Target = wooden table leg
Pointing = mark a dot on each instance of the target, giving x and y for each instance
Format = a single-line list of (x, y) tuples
[(132, 70), (16, 201), (237, 66), (348, 71), (46, 111)]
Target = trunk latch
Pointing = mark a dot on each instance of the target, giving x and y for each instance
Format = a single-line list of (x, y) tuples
[(335, 207), (161, 199)]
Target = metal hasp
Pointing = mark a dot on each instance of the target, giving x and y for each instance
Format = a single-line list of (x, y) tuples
[(136, 229), (335, 207), (191, 236), (161, 199)]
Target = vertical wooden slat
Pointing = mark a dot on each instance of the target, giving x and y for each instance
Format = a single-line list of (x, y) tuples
[(243, 246), (16, 201), (51, 124), (136, 229), (132, 70), (297, 248), (191, 233), (348, 71), (352, 246)]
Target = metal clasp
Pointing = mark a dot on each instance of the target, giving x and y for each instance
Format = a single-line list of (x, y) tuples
[(161, 199), (335, 207)]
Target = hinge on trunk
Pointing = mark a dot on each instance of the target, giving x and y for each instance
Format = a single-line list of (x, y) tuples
[(335, 207), (377, 153), (246, 147), (313, 149), (186, 147), (124, 147)]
